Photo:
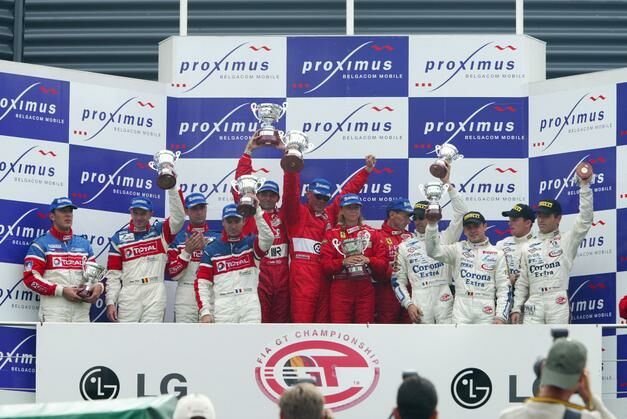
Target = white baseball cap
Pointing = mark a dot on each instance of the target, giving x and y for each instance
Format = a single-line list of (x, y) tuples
[(194, 406)]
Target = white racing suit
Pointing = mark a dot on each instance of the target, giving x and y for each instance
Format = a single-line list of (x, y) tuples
[(429, 279), (228, 275), (546, 262), (480, 277), (512, 248), (136, 264)]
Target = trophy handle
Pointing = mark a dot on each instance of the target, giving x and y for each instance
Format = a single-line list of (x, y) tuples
[(177, 155), (336, 243), (446, 187), (151, 164), (283, 109), (260, 183), (235, 185), (421, 188), (310, 147), (459, 156), (437, 149)]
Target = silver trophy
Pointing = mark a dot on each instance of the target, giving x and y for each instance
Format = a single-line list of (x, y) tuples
[(247, 186), (93, 273), (267, 114), (351, 247), (296, 144), (433, 191), (447, 153), (163, 164)]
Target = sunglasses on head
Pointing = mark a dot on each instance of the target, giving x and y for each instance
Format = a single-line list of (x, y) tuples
[(322, 197)]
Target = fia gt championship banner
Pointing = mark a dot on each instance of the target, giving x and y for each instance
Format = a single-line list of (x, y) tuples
[(358, 368)]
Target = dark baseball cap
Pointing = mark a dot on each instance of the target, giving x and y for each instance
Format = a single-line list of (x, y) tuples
[(473, 217), (520, 210), (549, 206)]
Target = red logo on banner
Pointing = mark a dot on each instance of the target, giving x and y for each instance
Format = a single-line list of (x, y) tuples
[(343, 367)]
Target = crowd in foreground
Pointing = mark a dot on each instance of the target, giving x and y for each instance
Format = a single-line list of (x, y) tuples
[(315, 261)]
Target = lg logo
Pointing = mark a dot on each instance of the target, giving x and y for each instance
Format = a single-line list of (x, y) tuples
[(101, 383), (471, 388)]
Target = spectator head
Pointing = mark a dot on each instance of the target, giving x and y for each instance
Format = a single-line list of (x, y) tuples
[(302, 401), (194, 406), (417, 399), (564, 365)]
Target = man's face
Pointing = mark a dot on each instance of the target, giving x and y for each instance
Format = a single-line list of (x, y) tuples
[(475, 232), (140, 217), (233, 226), (62, 218), (398, 220), (548, 222), (197, 214), (520, 226), (421, 224), (267, 200), (316, 201), (351, 213)]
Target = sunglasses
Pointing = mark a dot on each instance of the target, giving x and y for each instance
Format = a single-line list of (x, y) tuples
[(322, 197)]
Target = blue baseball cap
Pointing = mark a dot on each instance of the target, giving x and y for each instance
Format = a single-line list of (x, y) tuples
[(194, 199), (320, 186), (61, 202), (270, 185), (350, 199), (141, 203), (230, 211), (400, 205)]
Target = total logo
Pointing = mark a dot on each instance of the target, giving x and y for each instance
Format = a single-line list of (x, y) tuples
[(478, 127), (344, 367), (141, 250), (341, 66), (446, 64), (32, 107), (20, 224), (593, 298), (17, 359), (233, 264), (108, 180), (229, 62), (214, 127), (582, 116), (554, 177)]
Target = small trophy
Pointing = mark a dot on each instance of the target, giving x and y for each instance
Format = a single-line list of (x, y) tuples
[(584, 170), (296, 144), (247, 186), (93, 273), (351, 247), (447, 153), (433, 192), (163, 164), (267, 114)]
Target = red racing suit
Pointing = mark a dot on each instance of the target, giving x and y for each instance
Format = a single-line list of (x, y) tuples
[(388, 309), (274, 291), (309, 290), (352, 297)]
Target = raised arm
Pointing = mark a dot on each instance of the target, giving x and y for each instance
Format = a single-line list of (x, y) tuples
[(454, 230), (583, 222), (442, 252)]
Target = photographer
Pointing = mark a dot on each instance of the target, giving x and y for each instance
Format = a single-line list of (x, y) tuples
[(416, 399), (563, 374)]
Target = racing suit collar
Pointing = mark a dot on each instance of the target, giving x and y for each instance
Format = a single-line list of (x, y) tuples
[(191, 228), (523, 238), (543, 236), (133, 229), (392, 231), (63, 236), (472, 245)]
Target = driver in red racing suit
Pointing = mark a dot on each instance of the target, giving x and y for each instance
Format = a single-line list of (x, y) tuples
[(306, 226)]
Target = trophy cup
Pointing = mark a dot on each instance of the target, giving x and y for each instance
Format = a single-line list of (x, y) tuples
[(247, 186), (296, 144), (163, 164), (447, 153), (351, 247), (433, 192), (584, 170), (93, 273), (267, 114)]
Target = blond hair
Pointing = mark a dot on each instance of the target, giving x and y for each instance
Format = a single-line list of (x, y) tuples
[(302, 401)]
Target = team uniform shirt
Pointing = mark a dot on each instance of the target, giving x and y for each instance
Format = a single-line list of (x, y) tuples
[(546, 262), (137, 261), (54, 261), (182, 267), (512, 248), (430, 279), (274, 270), (480, 277), (228, 275), (308, 288), (544, 408)]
